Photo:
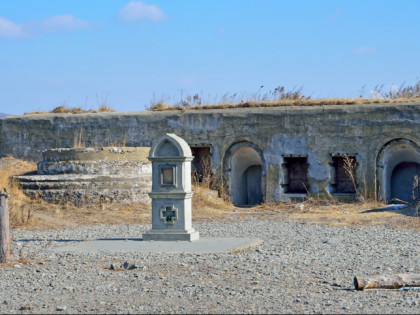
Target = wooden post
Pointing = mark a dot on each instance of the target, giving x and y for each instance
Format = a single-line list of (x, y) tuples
[(387, 282), (4, 228)]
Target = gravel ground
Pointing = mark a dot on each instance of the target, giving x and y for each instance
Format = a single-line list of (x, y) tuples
[(298, 268)]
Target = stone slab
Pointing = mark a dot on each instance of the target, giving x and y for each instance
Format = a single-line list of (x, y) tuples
[(201, 246), (168, 235)]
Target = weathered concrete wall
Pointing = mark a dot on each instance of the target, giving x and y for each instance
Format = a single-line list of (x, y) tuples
[(317, 133)]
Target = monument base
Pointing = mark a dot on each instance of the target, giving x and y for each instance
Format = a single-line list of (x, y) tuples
[(171, 235)]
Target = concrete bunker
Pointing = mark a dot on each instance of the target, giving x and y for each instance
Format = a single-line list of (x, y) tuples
[(244, 174), (397, 164), (318, 132)]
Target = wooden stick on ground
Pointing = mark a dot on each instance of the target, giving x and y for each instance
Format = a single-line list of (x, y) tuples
[(4, 228), (395, 281)]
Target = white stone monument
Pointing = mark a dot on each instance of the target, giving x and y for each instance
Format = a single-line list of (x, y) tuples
[(171, 190)]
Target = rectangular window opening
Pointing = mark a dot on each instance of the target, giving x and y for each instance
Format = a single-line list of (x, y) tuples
[(296, 171), (345, 174), (201, 164)]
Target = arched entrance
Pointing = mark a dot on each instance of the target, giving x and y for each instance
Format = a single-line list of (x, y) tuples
[(397, 163), (244, 165), (402, 181)]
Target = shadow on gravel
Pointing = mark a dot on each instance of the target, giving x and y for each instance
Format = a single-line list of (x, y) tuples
[(408, 210), (119, 239), (47, 240), (74, 240)]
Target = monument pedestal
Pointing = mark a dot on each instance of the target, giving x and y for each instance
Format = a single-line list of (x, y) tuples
[(171, 235), (171, 191)]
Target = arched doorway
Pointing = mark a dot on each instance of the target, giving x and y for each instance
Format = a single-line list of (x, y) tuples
[(402, 181), (245, 175), (396, 165)]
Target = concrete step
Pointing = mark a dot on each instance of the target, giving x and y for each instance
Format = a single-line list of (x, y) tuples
[(87, 189), (94, 167)]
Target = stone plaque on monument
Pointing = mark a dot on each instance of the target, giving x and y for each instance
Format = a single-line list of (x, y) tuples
[(171, 191)]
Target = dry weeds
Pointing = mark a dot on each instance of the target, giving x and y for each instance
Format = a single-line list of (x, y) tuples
[(280, 96), (20, 207), (207, 205), (284, 103), (63, 109), (340, 214)]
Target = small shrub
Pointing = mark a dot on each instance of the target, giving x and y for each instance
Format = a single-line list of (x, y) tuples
[(105, 109), (160, 107), (77, 110), (38, 112), (62, 109)]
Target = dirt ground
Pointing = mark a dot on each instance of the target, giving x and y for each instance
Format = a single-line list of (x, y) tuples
[(40, 215)]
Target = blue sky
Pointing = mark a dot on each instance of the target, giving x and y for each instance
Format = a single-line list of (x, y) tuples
[(127, 53)]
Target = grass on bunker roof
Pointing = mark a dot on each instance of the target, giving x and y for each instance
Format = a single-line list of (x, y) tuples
[(161, 106), (26, 213), (277, 97), (280, 96)]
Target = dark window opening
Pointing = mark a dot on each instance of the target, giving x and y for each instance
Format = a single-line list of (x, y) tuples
[(201, 164), (296, 171), (345, 174)]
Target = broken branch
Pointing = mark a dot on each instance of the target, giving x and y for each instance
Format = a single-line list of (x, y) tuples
[(395, 281)]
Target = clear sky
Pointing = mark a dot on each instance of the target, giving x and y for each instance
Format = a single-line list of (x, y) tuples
[(127, 53)]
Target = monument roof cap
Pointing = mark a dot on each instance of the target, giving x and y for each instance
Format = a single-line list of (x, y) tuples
[(170, 145)]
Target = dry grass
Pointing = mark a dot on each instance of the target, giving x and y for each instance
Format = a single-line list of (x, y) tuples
[(160, 107), (20, 207), (277, 97), (40, 215), (37, 112), (105, 109), (280, 96), (339, 214), (63, 109), (284, 103), (207, 205), (77, 140)]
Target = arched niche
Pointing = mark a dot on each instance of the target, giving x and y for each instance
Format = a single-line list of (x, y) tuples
[(170, 145), (167, 148), (395, 169), (243, 167)]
